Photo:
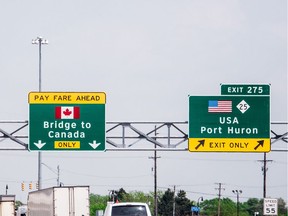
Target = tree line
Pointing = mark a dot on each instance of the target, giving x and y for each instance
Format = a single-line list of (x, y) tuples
[(179, 205)]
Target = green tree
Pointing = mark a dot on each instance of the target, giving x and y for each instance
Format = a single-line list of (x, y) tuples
[(183, 204), (18, 203), (252, 205), (120, 194), (227, 208), (209, 207), (165, 206), (97, 202), (137, 196), (282, 209)]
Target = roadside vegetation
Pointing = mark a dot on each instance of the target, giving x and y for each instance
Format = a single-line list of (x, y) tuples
[(183, 205)]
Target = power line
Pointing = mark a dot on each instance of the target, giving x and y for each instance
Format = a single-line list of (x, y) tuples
[(97, 176)]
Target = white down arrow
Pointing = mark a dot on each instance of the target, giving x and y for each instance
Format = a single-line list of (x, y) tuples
[(39, 144), (94, 145)]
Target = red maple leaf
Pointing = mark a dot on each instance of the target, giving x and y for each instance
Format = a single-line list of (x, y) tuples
[(67, 112)]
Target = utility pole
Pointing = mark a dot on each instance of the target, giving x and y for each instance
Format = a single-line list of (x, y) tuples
[(219, 196), (174, 203), (264, 169), (155, 177)]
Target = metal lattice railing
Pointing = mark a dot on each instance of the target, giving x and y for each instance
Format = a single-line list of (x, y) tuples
[(168, 136)]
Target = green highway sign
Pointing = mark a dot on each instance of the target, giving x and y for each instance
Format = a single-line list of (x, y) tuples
[(245, 89), (67, 121), (229, 124)]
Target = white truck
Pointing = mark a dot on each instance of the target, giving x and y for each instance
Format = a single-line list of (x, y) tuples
[(59, 201), (127, 209), (7, 205)]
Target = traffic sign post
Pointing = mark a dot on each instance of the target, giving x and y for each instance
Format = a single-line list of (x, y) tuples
[(64, 121), (229, 124)]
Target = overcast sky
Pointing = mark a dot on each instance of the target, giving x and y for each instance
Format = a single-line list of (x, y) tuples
[(148, 56)]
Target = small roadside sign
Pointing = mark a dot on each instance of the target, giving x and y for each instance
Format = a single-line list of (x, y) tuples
[(270, 206)]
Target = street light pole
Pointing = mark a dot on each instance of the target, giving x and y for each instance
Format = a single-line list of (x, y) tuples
[(198, 204), (39, 41), (237, 192), (199, 199)]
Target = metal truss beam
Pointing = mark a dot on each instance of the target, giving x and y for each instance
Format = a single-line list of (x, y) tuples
[(132, 136)]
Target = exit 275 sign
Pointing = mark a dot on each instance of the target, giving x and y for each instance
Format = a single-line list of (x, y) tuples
[(67, 121)]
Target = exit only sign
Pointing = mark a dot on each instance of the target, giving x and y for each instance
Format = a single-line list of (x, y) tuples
[(62, 121)]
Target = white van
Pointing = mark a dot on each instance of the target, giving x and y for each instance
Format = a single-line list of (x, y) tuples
[(127, 209)]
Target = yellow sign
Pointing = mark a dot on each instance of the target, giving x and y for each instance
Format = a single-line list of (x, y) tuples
[(67, 145), (67, 98), (229, 145)]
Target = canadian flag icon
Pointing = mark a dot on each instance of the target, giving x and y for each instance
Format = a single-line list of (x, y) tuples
[(67, 112)]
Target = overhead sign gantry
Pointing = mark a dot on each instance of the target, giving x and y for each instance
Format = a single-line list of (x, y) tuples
[(46, 108)]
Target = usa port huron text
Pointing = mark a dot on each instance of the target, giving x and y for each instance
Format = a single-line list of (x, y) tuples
[(229, 127)]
